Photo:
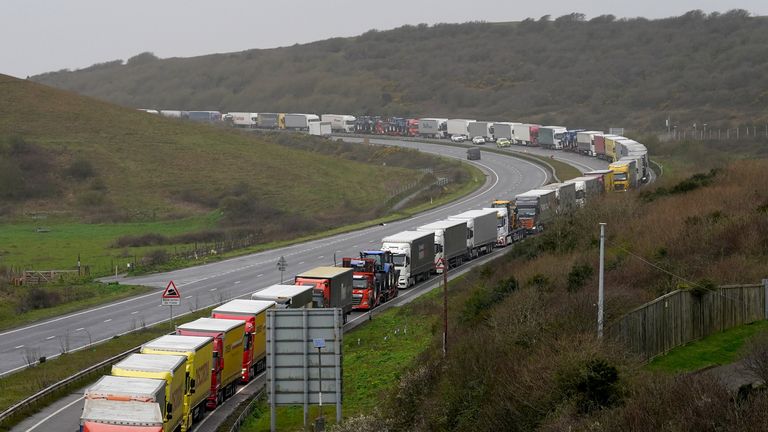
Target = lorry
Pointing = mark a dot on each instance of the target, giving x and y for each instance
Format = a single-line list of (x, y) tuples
[(127, 389), (624, 175), (473, 153), (450, 242), (599, 140), (386, 273), (242, 119), (604, 176), (587, 188), (199, 353), (612, 151), (413, 253), (565, 196), (272, 120), (172, 369), (340, 122), (481, 230), (527, 134), (320, 128), (121, 416), (295, 121), (585, 142), (332, 287), (551, 137), (507, 225), (254, 313), (175, 114), (433, 127), (634, 150), (536, 209), (504, 130), (366, 293), (228, 338), (481, 129), (569, 140), (458, 127), (204, 116), (286, 296)]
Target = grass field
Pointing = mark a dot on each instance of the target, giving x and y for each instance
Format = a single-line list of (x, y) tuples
[(718, 349)]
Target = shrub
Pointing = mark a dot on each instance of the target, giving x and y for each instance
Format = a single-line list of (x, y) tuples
[(155, 257), (80, 169), (38, 298), (578, 276), (593, 385)]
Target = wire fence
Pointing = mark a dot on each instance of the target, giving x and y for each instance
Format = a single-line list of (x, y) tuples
[(705, 133)]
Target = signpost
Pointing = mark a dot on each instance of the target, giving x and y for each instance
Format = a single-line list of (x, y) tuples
[(171, 297), (442, 265), (282, 264)]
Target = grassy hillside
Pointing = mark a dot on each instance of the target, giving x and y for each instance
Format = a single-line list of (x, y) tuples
[(522, 349), (603, 72)]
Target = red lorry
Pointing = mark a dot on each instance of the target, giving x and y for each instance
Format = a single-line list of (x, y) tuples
[(365, 293)]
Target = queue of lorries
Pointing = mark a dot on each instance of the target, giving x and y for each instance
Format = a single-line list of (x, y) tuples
[(174, 379)]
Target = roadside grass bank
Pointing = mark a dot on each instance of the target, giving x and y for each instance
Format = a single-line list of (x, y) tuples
[(22, 384), (718, 349), (375, 356), (21, 305)]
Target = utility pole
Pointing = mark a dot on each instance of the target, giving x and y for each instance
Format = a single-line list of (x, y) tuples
[(601, 283), (445, 305)]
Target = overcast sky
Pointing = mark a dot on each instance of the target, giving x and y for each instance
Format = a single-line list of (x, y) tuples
[(46, 35)]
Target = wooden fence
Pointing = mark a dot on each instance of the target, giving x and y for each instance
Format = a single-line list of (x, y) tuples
[(683, 316)]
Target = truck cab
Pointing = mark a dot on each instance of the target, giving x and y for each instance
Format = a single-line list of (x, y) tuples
[(386, 273), (623, 175), (365, 291)]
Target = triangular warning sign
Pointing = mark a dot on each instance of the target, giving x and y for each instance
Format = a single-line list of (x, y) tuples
[(171, 291)]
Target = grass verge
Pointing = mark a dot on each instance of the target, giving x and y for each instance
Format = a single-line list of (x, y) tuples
[(718, 349), (20, 385)]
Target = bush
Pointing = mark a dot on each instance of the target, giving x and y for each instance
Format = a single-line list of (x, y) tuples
[(593, 385), (38, 298), (155, 257), (578, 276), (80, 169)]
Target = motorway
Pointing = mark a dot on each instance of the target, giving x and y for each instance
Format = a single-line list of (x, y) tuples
[(214, 283)]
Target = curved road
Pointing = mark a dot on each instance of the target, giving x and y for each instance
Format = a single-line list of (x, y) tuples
[(212, 283)]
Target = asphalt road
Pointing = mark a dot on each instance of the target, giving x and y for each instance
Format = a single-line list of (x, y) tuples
[(213, 283)]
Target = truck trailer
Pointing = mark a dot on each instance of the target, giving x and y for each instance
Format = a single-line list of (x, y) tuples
[(565, 196), (228, 337), (320, 128), (169, 368), (121, 416), (536, 209), (332, 287), (587, 188), (504, 130), (296, 121), (604, 176), (481, 129), (450, 242), (204, 116), (458, 127), (242, 119), (413, 253), (340, 122), (386, 273), (433, 127), (481, 230), (254, 313), (585, 142), (286, 296), (199, 353), (551, 137), (527, 134), (128, 389)]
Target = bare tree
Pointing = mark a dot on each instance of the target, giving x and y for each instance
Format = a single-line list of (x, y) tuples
[(756, 360), (31, 356), (64, 342)]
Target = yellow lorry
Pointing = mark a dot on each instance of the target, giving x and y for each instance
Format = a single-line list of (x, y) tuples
[(254, 314), (624, 175), (171, 369), (199, 353), (228, 339)]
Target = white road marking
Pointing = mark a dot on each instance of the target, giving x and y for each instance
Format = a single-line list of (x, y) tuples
[(260, 275), (214, 289), (55, 413), (20, 346), (321, 257), (237, 282), (108, 320), (188, 297), (80, 329), (301, 263), (134, 312), (50, 337)]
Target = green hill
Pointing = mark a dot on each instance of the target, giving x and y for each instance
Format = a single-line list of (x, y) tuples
[(72, 154), (597, 73)]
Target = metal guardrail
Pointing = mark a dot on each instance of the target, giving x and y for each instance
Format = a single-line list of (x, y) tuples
[(246, 412), (63, 383)]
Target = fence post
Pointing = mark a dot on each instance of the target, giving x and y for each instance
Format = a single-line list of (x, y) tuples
[(765, 293)]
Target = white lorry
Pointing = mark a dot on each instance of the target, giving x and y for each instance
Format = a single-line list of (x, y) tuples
[(585, 142), (413, 253), (587, 188), (458, 127), (320, 128), (433, 127), (300, 121), (481, 230), (242, 119), (340, 122), (450, 242)]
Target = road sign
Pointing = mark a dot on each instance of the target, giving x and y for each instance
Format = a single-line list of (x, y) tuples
[(440, 264), (282, 264), (171, 295)]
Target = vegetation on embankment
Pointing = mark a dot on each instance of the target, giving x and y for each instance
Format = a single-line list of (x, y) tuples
[(630, 72), (523, 353)]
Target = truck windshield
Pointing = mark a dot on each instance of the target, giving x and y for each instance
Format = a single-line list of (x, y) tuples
[(377, 257), (526, 211), (399, 260), (619, 176), (360, 283)]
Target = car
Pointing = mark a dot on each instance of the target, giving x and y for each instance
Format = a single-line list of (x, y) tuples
[(503, 142), (458, 138), (478, 140)]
